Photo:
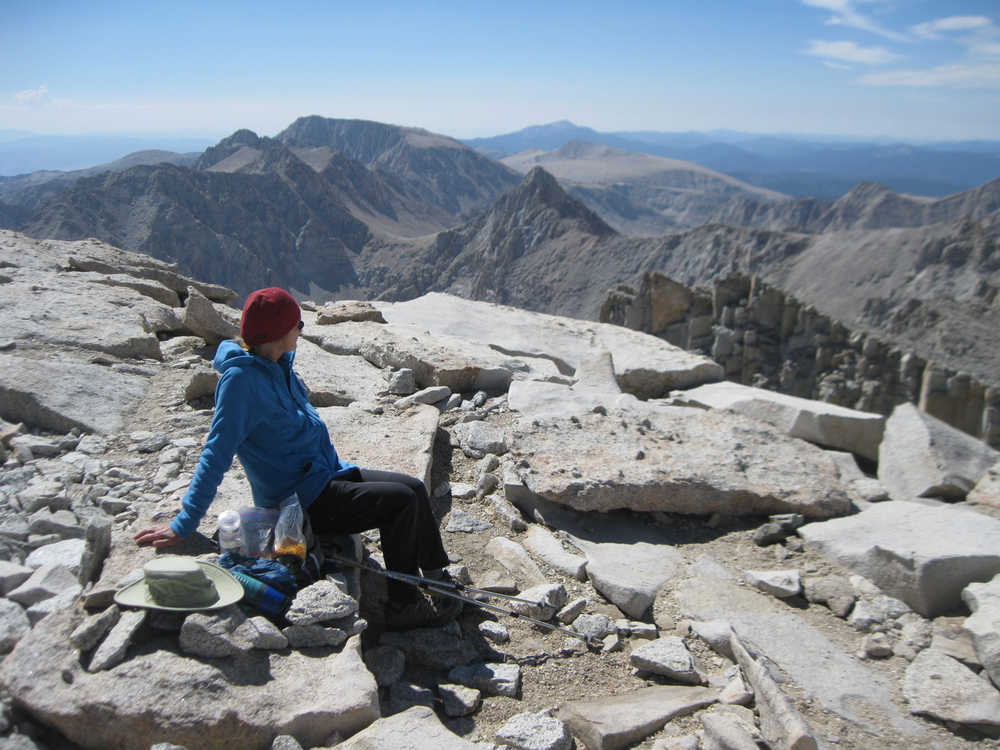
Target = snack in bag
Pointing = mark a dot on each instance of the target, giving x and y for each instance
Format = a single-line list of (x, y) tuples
[(289, 538)]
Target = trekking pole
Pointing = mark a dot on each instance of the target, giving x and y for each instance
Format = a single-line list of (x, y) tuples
[(450, 589), (439, 586)]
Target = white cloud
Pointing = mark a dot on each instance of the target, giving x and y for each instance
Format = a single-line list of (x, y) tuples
[(957, 76), (933, 29), (985, 48), (851, 52), (845, 14), (33, 96)]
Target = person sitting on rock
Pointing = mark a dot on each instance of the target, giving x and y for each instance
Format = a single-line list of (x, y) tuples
[(263, 415)]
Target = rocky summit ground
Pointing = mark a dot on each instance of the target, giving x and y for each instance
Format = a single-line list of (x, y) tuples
[(656, 529)]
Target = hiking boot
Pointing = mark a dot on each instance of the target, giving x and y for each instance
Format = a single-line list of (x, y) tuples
[(423, 612), (447, 607)]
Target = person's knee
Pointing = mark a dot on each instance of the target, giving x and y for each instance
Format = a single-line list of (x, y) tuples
[(401, 499)]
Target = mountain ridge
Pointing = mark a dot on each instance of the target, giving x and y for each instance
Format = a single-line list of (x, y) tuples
[(800, 166)]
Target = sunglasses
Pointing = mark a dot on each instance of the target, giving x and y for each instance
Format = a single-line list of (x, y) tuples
[(301, 325)]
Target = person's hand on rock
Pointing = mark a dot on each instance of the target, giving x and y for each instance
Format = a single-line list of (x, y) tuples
[(158, 536)]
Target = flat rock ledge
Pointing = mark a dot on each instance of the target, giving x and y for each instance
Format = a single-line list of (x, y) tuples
[(157, 695), (701, 464)]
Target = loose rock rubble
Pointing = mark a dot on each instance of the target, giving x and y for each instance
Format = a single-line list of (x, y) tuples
[(725, 584)]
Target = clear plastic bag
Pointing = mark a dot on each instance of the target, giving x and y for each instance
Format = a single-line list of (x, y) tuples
[(258, 530), (289, 538)]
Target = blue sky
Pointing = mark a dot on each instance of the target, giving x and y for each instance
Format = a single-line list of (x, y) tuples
[(908, 69)]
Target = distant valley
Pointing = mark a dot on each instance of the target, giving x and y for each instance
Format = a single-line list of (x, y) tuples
[(355, 209)]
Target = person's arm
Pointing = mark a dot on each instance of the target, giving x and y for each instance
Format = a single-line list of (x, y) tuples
[(235, 416)]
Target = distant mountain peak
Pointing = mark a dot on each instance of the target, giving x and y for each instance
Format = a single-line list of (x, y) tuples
[(228, 146), (539, 193), (541, 181)]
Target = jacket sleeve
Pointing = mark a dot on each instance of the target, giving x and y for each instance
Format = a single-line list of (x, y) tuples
[(234, 418)]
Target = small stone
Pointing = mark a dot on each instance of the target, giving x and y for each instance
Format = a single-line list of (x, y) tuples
[(535, 731), (212, 635), (461, 522), (571, 647), (494, 631), (645, 631), (320, 602), (285, 742), (548, 599), (487, 483), (594, 627), (112, 651), (459, 700), (612, 642), (492, 679), (572, 610), (312, 636), (667, 656), (835, 592), (876, 646), (12, 575), (261, 633), (461, 491), (779, 583), (47, 581), (89, 633), (402, 382)]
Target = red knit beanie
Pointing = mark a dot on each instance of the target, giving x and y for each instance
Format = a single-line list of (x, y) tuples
[(268, 315)]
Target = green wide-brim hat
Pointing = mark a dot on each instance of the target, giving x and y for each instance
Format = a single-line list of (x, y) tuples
[(199, 585)]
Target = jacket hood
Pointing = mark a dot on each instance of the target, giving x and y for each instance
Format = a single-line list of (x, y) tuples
[(230, 354)]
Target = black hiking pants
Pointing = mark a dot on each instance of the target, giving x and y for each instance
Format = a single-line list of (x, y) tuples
[(395, 504)]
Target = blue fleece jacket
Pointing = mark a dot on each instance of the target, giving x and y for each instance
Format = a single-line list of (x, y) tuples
[(263, 415)]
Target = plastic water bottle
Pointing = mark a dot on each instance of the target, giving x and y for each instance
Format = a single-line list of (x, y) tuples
[(230, 532)]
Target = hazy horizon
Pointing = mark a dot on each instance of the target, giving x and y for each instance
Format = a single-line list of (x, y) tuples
[(908, 70)]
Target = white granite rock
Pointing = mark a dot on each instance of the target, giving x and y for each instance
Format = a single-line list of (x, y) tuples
[(615, 722), (491, 679), (921, 456), (816, 421), (667, 656), (923, 555), (702, 463), (543, 543), (535, 731), (938, 686), (779, 583), (47, 581), (983, 599), (459, 700), (416, 728), (318, 602), (516, 560), (14, 624), (645, 365)]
